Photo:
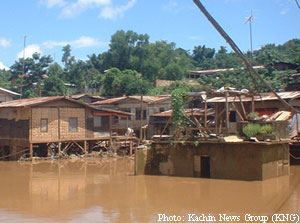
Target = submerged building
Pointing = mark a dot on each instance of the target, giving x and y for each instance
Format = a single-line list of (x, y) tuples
[(35, 124)]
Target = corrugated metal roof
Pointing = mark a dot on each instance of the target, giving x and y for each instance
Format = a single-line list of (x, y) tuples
[(263, 97), (196, 112), (77, 96), (9, 92), (280, 116), (146, 99), (29, 101), (221, 70), (108, 101)]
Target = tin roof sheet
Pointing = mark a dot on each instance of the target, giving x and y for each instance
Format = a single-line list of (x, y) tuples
[(263, 97), (195, 111), (146, 99), (9, 92), (29, 101)]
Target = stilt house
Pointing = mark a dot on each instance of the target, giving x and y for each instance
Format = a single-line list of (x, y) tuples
[(34, 123)]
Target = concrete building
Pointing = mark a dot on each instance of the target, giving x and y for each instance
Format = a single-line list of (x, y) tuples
[(249, 161)]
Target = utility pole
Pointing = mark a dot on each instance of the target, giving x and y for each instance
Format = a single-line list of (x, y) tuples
[(237, 50), (23, 73), (250, 21)]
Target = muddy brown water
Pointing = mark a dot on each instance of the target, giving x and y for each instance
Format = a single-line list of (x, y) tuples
[(107, 191)]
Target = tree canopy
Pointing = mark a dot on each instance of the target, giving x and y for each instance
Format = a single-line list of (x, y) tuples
[(132, 64)]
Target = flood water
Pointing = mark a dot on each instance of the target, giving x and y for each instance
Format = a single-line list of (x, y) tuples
[(107, 191)]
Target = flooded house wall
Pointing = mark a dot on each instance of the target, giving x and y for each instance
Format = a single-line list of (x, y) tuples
[(50, 115), (57, 124), (65, 115), (235, 161)]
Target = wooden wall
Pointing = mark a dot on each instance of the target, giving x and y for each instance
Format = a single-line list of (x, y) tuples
[(65, 114), (58, 124), (44, 113)]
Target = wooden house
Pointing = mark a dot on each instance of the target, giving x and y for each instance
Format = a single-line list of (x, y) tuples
[(239, 107), (7, 95), (140, 107), (34, 124), (161, 124)]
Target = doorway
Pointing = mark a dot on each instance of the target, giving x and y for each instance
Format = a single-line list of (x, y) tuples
[(202, 166)]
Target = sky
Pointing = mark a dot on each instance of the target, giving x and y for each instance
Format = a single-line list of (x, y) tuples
[(87, 25)]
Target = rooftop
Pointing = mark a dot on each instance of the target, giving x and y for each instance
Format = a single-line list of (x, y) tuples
[(268, 96), (146, 99), (9, 92), (188, 112)]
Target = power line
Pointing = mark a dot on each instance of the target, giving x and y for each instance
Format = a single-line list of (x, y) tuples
[(237, 50), (297, 4)]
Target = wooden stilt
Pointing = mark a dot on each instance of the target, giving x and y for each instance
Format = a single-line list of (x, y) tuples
[(227, 113), (205, 114), (59, 147), (85, 147), (131, 147), (30, 150)]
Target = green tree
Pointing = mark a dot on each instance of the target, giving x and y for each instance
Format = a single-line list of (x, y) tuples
[(35, 70)]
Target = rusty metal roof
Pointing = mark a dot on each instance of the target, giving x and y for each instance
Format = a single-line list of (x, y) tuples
[(280, 116), (269, 96), (108, 101), (29, 101), (146, 99), (188, 112)]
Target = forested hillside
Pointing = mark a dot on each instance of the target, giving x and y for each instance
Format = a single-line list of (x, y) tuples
[(133, 63)]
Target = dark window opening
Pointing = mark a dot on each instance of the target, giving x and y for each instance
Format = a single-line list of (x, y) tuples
[(232, 116), (44, 125), (115, 120), (73, 124), (137, 114)]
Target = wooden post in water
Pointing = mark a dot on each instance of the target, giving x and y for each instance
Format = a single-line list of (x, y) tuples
[(227, 113), (59, 148), (85, 147), (30, 150), (131, 147), (141, 121)]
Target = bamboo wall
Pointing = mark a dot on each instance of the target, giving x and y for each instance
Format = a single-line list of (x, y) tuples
[(58, 124), (44, 113), (65, 114)]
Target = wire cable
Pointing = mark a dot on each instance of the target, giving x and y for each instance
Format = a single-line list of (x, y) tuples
[(297, 4)]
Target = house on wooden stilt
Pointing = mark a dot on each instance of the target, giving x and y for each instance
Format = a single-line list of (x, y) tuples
[(38, 125)]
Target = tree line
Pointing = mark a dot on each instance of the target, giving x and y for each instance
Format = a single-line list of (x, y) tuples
[(132, 64)]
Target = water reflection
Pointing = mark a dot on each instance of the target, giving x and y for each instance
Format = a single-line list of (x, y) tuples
[(107, 191)]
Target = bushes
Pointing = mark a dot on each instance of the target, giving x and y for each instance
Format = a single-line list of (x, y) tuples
[(251, 130), (256, 130)]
